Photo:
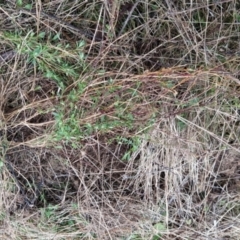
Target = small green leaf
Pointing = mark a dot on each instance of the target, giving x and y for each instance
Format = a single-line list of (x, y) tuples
[(81, 44), (19, 3), (81, 56), (160, 227), (155, 237), (28, 6), (1, 164), (134, 237), (31, 34), (188, 221), (37, 88), (56, 37), (41, 34)]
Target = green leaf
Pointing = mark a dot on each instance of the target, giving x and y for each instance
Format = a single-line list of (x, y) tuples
[(28, 6), (81, 44), (19, 3), (134, 237), (41, 34), (155, 237), (188, 221), (81, 56), (160, 227), (1, 164), (56, 37)]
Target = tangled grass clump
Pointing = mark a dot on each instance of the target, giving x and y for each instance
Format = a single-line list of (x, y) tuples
[(119, 120)]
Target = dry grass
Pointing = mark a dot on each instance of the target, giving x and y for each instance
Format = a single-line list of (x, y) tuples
[(119, 120)]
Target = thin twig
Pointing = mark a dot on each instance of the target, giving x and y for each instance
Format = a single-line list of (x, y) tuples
[(128, 18)]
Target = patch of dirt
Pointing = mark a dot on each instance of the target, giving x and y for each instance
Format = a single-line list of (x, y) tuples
[(28, 111), (227, 172), (45, 176)]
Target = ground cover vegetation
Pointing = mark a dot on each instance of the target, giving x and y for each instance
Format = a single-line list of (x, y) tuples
[(119, 119)]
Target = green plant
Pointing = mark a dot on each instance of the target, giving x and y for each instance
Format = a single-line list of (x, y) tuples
[(49, 212), (67, 129), (55, 60), (132, 144), (134, 236), (199, 20), (139, 95), (63, 64), (159, 228)]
